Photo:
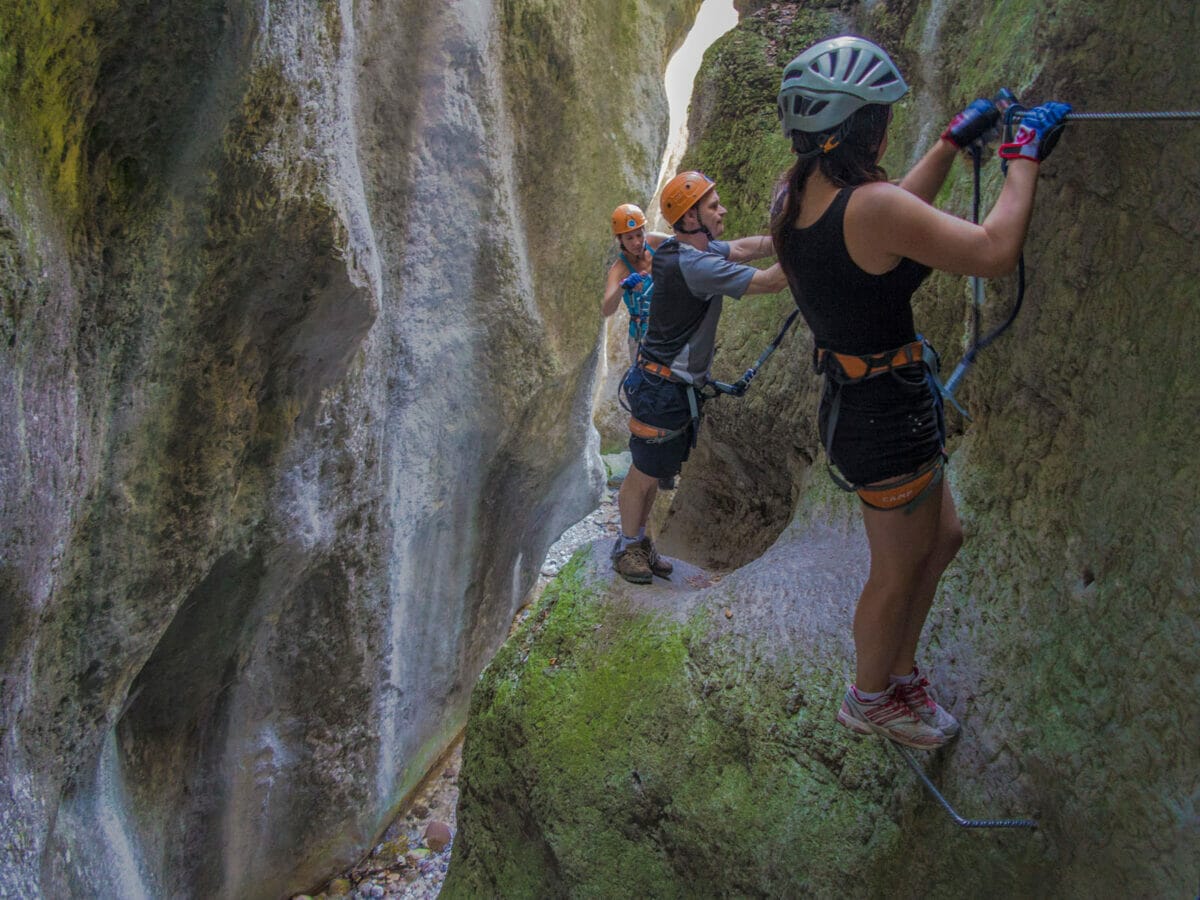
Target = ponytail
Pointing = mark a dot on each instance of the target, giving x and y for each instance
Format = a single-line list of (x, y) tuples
[(850, 163)]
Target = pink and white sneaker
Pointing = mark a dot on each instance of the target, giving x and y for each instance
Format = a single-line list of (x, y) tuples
[(889, 717), (918, 697)]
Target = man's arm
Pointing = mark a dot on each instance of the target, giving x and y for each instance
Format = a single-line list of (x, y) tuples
[(767, 281), (745, 249), (710, 273)]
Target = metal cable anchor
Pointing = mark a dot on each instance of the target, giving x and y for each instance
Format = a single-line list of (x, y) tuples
[(958, 820)]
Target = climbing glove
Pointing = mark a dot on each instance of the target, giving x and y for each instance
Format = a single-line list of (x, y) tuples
[(973, 123), (1039, 132), (633, 281)]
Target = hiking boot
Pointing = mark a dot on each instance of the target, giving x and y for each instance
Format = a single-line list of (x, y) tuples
[(917, 697), (889, 717), (667, 484), (633, 563), (659, 565)]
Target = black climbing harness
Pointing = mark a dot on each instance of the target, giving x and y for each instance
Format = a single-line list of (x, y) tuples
[(980, 342), (905, 492), (653, 434)]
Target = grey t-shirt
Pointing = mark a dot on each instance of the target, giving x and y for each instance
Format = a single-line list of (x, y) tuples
[(690, 285)]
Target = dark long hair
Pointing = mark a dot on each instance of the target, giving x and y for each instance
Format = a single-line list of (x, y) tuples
[(852, 162)]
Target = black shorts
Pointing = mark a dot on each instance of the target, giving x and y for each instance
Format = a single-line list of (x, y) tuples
[(886, 426), (663, 404)]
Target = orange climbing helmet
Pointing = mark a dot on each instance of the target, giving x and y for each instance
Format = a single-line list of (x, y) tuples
[(627, 217), (682, 193)]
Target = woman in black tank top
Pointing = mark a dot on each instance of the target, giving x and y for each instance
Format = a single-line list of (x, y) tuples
[(854, 248)]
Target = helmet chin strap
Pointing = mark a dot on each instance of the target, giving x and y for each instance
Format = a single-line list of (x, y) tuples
[(821, 144), (703, 229)]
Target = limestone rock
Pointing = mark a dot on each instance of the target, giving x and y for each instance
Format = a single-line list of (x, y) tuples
[(297, 350)]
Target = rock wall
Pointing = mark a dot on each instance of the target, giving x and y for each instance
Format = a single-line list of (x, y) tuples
[(1063, 635), (298, 344)]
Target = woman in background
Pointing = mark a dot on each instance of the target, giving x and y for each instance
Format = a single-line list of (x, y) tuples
[(629, 277)]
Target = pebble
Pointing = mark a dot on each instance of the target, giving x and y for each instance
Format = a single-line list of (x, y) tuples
[(437, 836), (404, 866)]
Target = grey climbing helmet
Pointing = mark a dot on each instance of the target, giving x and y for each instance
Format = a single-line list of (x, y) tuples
[(831, 80)]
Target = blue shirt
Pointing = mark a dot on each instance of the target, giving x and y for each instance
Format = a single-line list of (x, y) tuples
[(637, 301)]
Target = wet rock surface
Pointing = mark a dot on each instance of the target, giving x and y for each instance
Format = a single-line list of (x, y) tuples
[(412, 859), (270, 437)]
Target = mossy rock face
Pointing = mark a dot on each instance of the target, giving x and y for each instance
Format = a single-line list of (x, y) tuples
[(622, 746), (632, 778), (1061, 634), (298, 328)]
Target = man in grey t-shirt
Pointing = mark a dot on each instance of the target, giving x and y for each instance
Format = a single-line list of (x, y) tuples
[(693, 271)]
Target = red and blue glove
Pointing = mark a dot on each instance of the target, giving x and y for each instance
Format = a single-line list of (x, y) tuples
[(633, 281), (1040, 130), (975, 122)]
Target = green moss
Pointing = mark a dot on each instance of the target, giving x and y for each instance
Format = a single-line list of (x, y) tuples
[(614, 445), (48, 64), (613, 753), (99, 90)]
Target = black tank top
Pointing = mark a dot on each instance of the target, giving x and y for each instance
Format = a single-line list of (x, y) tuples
[(848, 310)]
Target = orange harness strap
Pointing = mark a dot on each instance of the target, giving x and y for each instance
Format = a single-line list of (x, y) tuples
[(657, 369), (899, 494), (849, 368), (640, 429)]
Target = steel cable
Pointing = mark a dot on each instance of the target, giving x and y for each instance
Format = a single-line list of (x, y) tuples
[(1122, 116)]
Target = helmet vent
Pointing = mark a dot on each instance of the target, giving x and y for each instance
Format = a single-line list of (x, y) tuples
[(806, 106), (853, 62)]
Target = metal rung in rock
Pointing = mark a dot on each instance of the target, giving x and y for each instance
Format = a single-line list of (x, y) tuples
[(958, 820)]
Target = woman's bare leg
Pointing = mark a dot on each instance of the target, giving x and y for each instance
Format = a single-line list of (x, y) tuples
[(901, 545), (947, 542)]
